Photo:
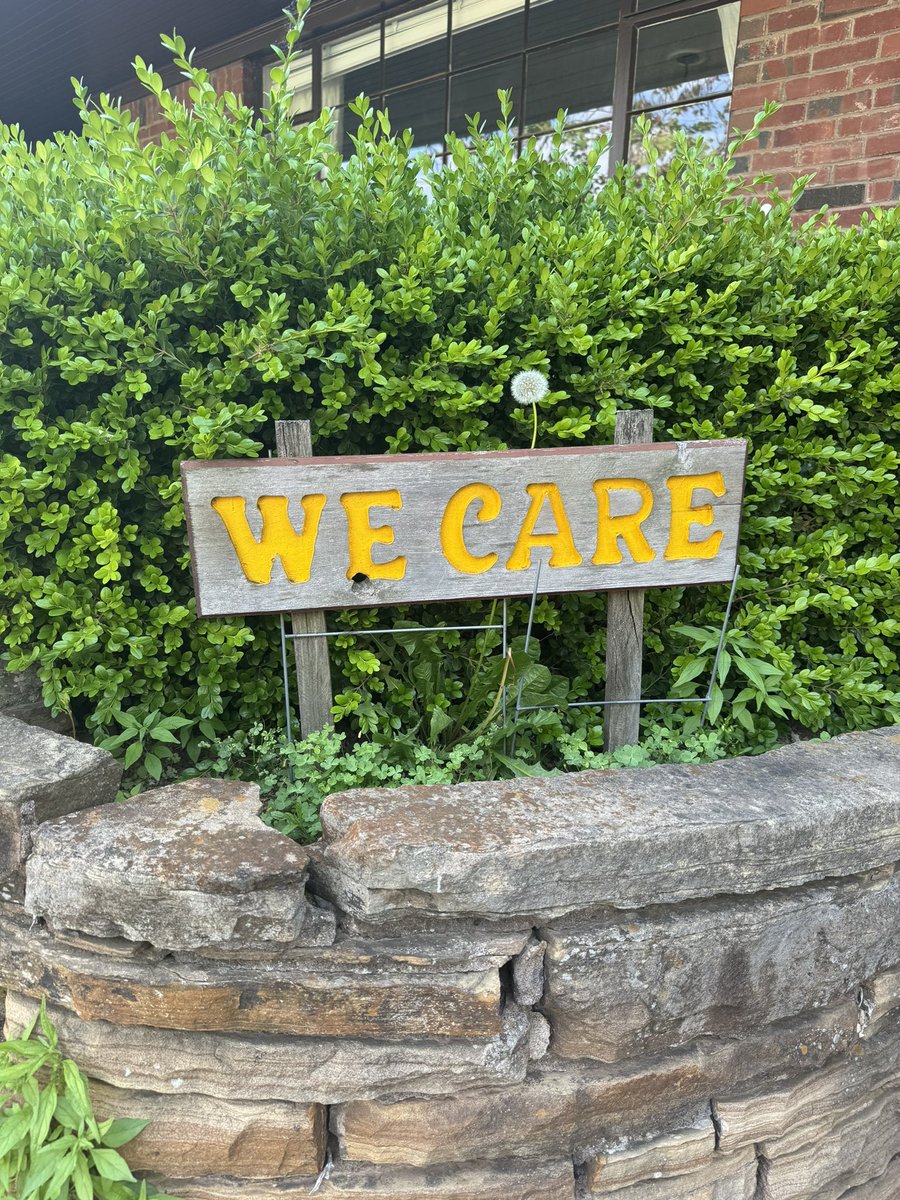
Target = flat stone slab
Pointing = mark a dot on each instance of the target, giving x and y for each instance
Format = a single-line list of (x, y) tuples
[(681, 1166), (775, 1110), (352, 989), (44, 775), (627, 838), (534, 1181), (885, 1187), (22, 699), (824, 1163), (180, 867), (191, 1134), (311, 1070), (641, 982)]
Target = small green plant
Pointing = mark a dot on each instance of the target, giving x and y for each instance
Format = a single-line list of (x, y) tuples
[(147, 735), (295, 778), (660, 746), (52, 1147)]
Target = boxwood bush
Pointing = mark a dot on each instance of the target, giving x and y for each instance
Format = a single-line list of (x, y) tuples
[(171, 301)]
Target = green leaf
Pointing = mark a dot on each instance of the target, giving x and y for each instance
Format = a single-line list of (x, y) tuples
[(81, 1178), (111, 1165), (123, 1130), (153, 766), (132, 754), (14, 1129)]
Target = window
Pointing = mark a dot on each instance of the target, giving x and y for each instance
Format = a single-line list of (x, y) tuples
[(606, 62)]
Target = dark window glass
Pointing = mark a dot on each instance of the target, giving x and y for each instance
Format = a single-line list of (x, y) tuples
[(475, 91), (423, 110), (351, 65), (415, 45), (549, 20), (684, 59), (484, 30), (436, 64), (576, 76), (346, 124)]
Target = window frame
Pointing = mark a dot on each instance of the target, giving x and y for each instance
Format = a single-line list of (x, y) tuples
[(357, 17)]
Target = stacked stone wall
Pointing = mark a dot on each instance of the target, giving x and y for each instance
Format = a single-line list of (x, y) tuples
[(681, 983)]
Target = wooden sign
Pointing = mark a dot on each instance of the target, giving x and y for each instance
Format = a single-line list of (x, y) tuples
[(281, 535)]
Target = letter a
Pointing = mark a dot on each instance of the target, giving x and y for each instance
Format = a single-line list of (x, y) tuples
[(561, 543)]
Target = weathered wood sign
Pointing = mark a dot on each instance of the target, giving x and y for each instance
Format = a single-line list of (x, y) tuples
[(280, 535)]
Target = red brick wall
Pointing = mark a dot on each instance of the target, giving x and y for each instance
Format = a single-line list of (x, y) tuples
[(834, 66), (238, 77)]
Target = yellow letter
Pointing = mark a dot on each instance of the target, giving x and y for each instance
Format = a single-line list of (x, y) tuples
[(684, 515), (278, 539), (452, 541), (627, 527), (362, 537), (562, 543)]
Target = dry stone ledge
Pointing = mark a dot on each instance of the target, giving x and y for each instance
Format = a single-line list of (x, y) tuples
[(42, 776), (770, 1113), (653, 979), (674, 984), (827, 1164), (352, 989), (807, 811), (269, 1067), (574, 1108), (534, 1181), (682, 1166), (196, 1135), (180, 867)]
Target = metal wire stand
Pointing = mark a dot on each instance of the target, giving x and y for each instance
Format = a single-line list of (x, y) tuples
[(704, 700), (503, 626), (334, 633)]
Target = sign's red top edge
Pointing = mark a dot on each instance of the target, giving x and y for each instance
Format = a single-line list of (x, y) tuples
[(194, 464)]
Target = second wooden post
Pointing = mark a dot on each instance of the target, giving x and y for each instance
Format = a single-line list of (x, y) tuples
[(625, 623)]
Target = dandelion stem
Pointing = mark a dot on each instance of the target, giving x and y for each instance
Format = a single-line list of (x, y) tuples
[(534, 435)]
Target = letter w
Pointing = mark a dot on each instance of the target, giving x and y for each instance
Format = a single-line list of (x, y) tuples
[(278, 538)]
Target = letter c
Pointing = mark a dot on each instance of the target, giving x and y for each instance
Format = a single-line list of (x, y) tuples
[(452, 540)]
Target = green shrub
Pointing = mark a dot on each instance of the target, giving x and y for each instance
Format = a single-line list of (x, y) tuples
[(295, 778), (170, 302), (52, 1147)]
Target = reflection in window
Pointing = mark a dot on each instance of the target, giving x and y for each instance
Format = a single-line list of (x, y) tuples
[(415, 45), (576, 76), (684, 59), (423, 109), (484, 30), (683, 79), (706, 118), (550, 20)]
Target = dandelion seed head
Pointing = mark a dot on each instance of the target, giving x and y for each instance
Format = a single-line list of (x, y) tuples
[(529, 387)]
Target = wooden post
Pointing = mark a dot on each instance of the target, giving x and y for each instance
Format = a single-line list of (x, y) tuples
[(625, 623), (293, 439)]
